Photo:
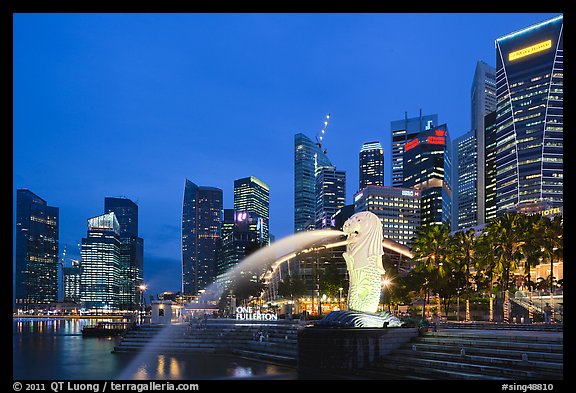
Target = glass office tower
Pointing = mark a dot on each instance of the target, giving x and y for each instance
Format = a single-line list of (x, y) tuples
[(100, 279), (529, 132), (371, 165), (427, 168), (308, 155), (253, 195), (131, 251), (403, 131), (201, 229), (36, 251)]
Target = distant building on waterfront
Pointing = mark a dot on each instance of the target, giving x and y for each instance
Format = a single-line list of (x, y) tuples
[(427, 168), (397, 208), (530, 120), (37, 250), (252, 195), (371, 165), (201, 229), (72, 275), (403, 131), (330, 195), (100, 279), (131, 251), (308, 155)]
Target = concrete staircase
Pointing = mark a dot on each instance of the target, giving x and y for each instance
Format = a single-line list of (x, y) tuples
[(278, 344), (474, 354)]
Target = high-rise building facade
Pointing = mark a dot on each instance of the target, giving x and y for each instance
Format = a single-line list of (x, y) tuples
[(403, 131), (36, 251), (371, 165), (330, 195), (490, 166), (131, 251), (253, 195), (427, 168), (465, 195), (72, 275), (529, 132), (308, 155), (483, 102), (397, 208), (100, 280), (201, 231)]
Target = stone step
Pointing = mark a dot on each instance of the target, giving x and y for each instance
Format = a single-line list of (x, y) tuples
[(544, 368), (435, 368), (505, 353), (520, 336), (493, 344)]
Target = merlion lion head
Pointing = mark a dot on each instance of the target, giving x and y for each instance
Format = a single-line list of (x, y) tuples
[(365, 237)]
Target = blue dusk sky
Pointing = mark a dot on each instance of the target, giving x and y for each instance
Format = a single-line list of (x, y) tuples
[(133, 104)]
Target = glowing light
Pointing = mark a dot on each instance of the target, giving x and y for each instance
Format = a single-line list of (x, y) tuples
[(435, 140), (413, 143), (539, 47)]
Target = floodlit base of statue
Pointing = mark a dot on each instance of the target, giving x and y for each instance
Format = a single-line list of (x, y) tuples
[(350, 318), (329, 350)]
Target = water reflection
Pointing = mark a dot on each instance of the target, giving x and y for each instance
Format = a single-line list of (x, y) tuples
[(55, 349)]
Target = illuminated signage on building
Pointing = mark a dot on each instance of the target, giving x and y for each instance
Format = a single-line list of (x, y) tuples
[(435, 140), (539, 47), (440, 132), (551, 212), (247, 313), (411, 144), (407, 193)]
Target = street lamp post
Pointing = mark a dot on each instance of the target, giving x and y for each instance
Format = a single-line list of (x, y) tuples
[(385, 283), (340, 297), (142, 288)]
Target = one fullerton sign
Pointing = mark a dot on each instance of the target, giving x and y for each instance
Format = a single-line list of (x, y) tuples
[(248, 314)]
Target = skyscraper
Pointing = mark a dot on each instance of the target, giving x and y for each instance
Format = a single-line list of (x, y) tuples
[(466, 191), (427, 167), (100, 280), (201, 228), (483, 102), (397, 208), (253, 195), (131, 251), (371, 160), (307, 156), (490, 165), (403, 131), (529, 131), (36, 250), (72, 275), (330, 195)]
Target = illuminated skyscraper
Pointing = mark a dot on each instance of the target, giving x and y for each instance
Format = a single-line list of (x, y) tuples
[(131, 251), (36, 250), (307, 156), (490, 165), (371, 160), (330, 195), (427, 168), (100, 280), (72, 275), (201, 229), (253, 195), (466, 191), (483, 100), (403, 131), (529, 131)]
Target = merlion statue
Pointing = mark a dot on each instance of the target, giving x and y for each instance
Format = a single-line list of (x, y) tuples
[(364, 263)]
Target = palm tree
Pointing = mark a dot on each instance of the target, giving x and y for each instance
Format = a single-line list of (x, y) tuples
[(530, 249), (462, 254), (430, 249), (552, 247), (507, 235)]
